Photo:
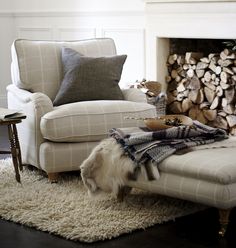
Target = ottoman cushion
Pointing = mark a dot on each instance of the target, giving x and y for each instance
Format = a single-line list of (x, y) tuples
[(216, 165)]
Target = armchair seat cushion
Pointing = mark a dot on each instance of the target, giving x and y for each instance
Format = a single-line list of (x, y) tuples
[(91, 120)]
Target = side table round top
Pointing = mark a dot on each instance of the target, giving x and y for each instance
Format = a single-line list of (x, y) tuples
[(9, 121)]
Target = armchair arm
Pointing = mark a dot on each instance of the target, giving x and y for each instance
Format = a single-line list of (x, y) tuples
[(25, 96), (22, 95), (34, 105), (134, 95)]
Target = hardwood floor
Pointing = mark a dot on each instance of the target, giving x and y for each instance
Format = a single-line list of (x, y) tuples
[(194, 231)]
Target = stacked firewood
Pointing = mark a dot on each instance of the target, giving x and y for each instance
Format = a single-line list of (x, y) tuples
[(204, 87)]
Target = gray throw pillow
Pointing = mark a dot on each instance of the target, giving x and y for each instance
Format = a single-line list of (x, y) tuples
[(89, 78)]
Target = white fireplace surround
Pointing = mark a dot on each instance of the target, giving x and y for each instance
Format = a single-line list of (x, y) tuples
[(200, 19)]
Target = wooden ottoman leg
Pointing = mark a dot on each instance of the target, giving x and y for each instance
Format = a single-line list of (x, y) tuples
[(123, 191), (224, 220), (53, 177)]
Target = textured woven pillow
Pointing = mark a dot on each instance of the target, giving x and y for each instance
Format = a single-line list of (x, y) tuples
[(89, 78)]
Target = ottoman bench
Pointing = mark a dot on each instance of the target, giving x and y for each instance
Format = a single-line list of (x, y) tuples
[(206, 176)]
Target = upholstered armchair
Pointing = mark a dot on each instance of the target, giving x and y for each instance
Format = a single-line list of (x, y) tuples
[(58, 138)]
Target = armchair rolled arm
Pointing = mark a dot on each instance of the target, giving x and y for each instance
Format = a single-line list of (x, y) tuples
[(37, 99), (34, 106), (134, 95), (22, 95)]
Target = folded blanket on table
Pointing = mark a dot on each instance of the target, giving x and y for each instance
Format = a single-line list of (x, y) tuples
[(143, 145)]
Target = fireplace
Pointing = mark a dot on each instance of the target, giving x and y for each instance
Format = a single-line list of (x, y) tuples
[(186, 19), (176, 26)]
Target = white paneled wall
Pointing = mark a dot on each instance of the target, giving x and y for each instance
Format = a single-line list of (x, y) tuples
[(127, 29), (130, 41), (35, 33), (7, 36), (75, 33), (122, 20), (77, 5)]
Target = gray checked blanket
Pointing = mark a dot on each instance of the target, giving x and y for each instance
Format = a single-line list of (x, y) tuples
[(143, 145)]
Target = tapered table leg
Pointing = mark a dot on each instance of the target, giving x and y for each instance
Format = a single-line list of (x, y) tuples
[(17, 147), (14, 144), (14, 150)]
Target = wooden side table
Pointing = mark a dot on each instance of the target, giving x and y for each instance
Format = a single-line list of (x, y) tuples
[(14, 145)]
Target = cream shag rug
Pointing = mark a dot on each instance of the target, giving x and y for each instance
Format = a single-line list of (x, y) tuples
[(65, 208)]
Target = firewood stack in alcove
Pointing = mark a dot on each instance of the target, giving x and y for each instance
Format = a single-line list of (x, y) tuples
[(204, 88)]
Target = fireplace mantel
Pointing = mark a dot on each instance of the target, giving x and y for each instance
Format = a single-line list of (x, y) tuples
[(185, 1), (200, 19)]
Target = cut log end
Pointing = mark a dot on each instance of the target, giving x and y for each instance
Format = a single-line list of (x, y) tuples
[(204, 87)]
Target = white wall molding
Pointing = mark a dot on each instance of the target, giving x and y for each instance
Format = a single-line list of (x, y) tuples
[(35, 33), (122, 30), (68, 13), (71, 33), (185, 1), (6, 14), (189, 9)]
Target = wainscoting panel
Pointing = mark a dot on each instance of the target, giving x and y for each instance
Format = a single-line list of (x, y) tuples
[(37, 33), (127, 28), (7, 36), (131, 42), (76, 33)]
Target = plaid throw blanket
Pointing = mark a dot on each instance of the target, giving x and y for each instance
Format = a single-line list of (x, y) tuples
[(143, 145)]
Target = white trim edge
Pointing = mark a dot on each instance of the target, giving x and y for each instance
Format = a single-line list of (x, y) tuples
[(69, 13), (186, 1)]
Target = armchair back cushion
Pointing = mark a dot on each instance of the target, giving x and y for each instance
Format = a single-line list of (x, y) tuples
[(39, 68)]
